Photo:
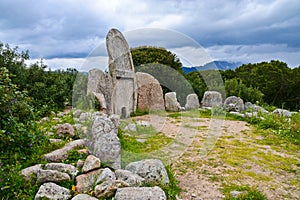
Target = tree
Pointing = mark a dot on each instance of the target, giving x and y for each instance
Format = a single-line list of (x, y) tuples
[(155, 55), (166, 67), (274, 79)]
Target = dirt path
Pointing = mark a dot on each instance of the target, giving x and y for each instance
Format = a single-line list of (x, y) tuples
[(207, 153)]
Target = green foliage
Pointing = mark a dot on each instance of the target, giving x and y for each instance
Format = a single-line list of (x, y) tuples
[(172, 190), (165, 67), (16, 126), (250, 193), (139, 113), (49, 90), (155, 55), (275, 80), (235, 87)]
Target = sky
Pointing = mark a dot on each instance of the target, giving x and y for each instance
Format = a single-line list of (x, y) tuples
[(67, 33)]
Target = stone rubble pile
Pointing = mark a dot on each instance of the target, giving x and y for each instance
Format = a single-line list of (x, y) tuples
[(92, 181)]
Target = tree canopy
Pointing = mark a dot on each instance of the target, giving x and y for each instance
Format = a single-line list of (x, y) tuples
[(155, 55)]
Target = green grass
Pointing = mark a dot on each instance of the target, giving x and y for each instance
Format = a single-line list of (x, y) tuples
[(249, 193)]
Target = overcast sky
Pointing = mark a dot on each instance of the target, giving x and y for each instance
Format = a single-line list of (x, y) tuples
[(65, 32)]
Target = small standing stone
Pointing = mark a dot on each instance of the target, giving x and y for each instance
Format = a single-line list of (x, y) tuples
[(212, 99), (171, 102), (192, 102)]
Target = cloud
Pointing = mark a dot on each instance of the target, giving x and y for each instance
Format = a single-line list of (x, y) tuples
[(256, 53), (72, 29)]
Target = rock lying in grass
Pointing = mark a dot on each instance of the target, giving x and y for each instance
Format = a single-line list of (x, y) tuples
[(91, 163), (62, 154), (108, 188), (83, 197), (52, 191), (62, 167), (106, 175), (282, 112), (137, 193), (152, 170), (65, 129), (130, 127), (30, 173), (132, 179), (55, 176), (85, 182)]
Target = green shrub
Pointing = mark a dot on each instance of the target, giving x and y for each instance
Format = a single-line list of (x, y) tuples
[(249, 193)]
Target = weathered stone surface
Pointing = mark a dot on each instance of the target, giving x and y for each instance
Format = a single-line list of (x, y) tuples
[(30, 173), (106, 175), (91, 163), (212, 99), (55, 140), (62, 167), (83, 197), (52, 191), (152, 170), (44, 176), (192, 102), (143, 123), (234, 103), (130, 127), (124, 95), (77, 113), (108, 188), (62, 154), (79, 163), (85, 182), (237, 114), (100, 85), (171, 102), (132, 179), (140, 193), (104, 142), (150, 94), (254, 108), (282, 112), (235, 193), (84, 116)]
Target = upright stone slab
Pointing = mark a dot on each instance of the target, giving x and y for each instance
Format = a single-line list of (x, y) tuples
[(171, 102), (104, 142), (150, 94), (124, 96), (100, 85), (212, 99), (234, 103), (192, 102)]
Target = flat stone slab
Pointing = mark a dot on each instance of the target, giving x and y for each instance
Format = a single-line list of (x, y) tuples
[(62, 154), (52, 191), (140, 193)]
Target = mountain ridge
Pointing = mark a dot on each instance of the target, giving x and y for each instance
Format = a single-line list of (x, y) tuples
[(221, 65)]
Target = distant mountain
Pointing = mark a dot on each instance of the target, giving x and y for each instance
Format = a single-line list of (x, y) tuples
[(221, 65)]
